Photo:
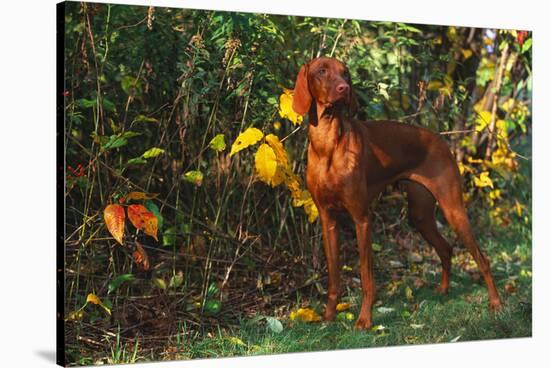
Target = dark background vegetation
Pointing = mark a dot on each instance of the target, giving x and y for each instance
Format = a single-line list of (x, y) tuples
[(234, 258)]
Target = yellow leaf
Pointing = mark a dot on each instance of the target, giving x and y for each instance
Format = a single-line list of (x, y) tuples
[(483, 119), (508, 105), (279, 176), (75, 315), (247, 138), (466, 53), (285, 107), (266, 163), (278, 148), (141, 195), (92, 298), (311, 210), (236, 341), (434, 85), (305, 315), (408, 293), (483, 180), (342, 307)]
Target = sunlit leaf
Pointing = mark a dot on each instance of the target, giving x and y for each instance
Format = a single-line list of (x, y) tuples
[(217, 143), (143, 219), (483, 119), (247, 138), (483, 180), (278, 148), (114, 216), (304, 315), (194, 176), (343, 306), (153, 152), (94, 299), (266, 163), (285, 107)]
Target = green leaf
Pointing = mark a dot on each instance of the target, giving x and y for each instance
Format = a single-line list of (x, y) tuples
[(115, 141), (153, 152), (213, 306), (376, 247), (119, 140), (217, 143), (274, 324), (108, 105), (169, 237), (194, 177), (153, 208), (117, 281), (130, 85), (212, 290), (137, 161), (526, 45), (86, 103), (160, 283), (176, 280), (145, 119)]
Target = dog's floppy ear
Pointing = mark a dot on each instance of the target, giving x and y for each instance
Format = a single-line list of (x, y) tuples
[(302, 97)]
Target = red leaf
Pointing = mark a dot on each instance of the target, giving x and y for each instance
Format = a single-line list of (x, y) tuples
[(114, 219), (140, 257), (142, 219)]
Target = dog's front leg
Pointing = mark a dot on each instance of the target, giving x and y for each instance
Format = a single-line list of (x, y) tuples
[(362, 228), (330, 244)]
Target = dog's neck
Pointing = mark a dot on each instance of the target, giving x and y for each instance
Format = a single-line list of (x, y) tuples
[(327, 124)]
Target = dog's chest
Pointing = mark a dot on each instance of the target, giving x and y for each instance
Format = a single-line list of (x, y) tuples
[(331, 181)]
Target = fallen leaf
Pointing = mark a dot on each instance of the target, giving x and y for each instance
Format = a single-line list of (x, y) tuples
[(305, 315), (343, 306)]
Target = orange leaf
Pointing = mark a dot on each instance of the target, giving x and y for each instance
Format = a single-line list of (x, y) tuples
[(142, 219), (140, 257), (141, 195), (114, 219)]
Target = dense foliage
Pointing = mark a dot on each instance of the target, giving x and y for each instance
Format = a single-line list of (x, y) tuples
[(176, 224)]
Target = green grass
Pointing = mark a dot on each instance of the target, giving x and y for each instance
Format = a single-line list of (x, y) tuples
[(426, 318), (400, 318)]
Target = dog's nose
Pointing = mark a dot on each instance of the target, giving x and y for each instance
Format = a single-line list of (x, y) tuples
[(342, 88)]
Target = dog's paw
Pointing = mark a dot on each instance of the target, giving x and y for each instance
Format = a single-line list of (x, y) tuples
[(363, 323), (496, 305)]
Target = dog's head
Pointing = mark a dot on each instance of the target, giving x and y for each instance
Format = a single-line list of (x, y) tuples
[(324, 81)]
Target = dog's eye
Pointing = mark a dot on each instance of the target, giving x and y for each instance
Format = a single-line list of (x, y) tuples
[(322, 71)]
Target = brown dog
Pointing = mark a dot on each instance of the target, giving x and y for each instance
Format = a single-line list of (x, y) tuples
[(350, 162)]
